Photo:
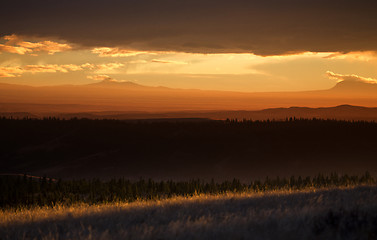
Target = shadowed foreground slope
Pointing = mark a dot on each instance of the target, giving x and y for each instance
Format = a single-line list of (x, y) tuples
[(186, 150), (324, 214)]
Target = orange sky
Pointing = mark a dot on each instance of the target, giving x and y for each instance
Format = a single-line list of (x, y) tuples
[(47, 62), (248, 46)]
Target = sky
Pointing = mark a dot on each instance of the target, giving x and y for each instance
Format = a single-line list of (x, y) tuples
[(239, 45)]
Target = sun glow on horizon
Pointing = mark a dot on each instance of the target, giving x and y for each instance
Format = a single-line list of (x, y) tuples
[(47, 62)]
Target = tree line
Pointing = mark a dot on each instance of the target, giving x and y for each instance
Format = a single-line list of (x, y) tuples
[(25, 191)]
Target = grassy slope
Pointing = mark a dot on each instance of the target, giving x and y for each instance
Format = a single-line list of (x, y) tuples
[(348, 213)]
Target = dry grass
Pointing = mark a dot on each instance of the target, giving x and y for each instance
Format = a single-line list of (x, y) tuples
[(342, 213)]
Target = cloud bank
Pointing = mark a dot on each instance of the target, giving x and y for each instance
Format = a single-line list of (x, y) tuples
[(17, 71), (14, 44), (116, 52), (168, 61), (268, 27), (100, 78), (350, 78)]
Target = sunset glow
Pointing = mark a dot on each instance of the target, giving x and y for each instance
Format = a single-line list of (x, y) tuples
[(48, 62)]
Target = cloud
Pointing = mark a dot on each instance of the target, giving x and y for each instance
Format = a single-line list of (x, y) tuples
[(16, 71), (50, 47), (43, 68), (14, 44), (88, 65), (350, 78), (358, 56), (100, 77), (270, 27), (10, 71), (6, 74), (51, 68), (105, 78), (116, 52), (168, 61), (13, 49), (73, 67), (109, 66)]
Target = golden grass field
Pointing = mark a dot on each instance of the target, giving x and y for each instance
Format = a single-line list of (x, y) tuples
[(332, 213)]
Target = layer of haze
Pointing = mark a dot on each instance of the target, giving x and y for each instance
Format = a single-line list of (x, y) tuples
[(110, 95)]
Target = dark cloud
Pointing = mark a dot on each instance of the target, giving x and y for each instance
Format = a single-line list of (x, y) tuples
[(264, 27)]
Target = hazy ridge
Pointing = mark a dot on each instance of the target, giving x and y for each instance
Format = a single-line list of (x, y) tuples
[(128, 97), (341, 112)]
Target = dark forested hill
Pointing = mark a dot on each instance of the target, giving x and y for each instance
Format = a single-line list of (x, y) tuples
[(186, 149), (341, 112)]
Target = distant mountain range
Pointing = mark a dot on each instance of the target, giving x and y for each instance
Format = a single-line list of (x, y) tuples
[(115, 84), (354, 87), (341, 112), (127, 100)]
